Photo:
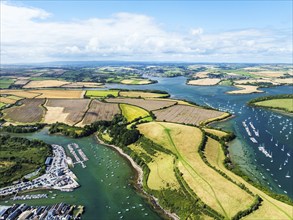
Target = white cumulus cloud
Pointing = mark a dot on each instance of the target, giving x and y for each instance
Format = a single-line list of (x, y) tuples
[(27, 35)]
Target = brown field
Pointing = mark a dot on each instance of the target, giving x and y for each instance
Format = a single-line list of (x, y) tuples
[(30, 112), (21, 93), (45, 84), (204, 82), (59, 94), (21, 82), (181, 102), (83, 85), (147, 104), (137, 94), (270, 208), (186, 114), (100, 111), (73, 108)]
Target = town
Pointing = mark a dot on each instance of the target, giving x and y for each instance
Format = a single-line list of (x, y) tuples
[(57, 211)]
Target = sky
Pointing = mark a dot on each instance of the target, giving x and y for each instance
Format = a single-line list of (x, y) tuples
[(181, 31)]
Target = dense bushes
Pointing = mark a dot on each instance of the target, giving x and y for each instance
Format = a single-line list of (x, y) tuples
[(22, 128)]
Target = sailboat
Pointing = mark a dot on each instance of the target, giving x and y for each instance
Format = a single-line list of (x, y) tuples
[(287, 175), (283, 148)]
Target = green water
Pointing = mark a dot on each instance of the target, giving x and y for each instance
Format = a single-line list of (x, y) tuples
[(105, 189)]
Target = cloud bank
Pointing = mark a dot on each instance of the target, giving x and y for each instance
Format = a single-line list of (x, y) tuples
[(28, 35)]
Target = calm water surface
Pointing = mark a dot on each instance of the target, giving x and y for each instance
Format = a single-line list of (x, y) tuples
[(105, 189)]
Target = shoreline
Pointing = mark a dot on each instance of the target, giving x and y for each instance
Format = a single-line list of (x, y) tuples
[(139, 179)]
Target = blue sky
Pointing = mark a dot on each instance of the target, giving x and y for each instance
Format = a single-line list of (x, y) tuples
[(198, 31)]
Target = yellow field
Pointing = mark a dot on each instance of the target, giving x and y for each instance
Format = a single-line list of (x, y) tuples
[(270, 208), (55, 114), (162, 174), (213, 189), (136, 81), (45, 84), (245, 89), (7, 100), (131, 112), (59, 94), (204, 82), (136, 94), (20, 93), (216, 132)]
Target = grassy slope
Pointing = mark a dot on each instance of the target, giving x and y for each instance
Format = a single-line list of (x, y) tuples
[(286, 104), (161, 169), (270, 208), (131, 112), (216, 191)]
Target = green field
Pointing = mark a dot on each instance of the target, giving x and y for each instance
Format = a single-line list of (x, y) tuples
[(101, 93), (285, 104), (131, 112), (20, 156), (5, 83), (2, 104)]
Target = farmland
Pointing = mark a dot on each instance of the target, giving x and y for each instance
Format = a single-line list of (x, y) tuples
[(82, 85), (131, 112), (138, 94), (245, 89), (186, 114), (136, 81), (216, 132), (285, 104), (101, 93), (5, 83), (270, 208), (100, 111), (149, 105), (59, 94), (204, 82), (212, 188), (45, 84), (20, 93), (73, 109), (31, 111)]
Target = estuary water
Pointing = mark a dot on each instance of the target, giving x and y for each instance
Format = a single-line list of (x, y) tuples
[(106, 190), (269, 161)]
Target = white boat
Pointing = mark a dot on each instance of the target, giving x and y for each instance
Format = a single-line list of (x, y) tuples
[(280, 168), (283, 148), (288, 154), (288, 175)]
